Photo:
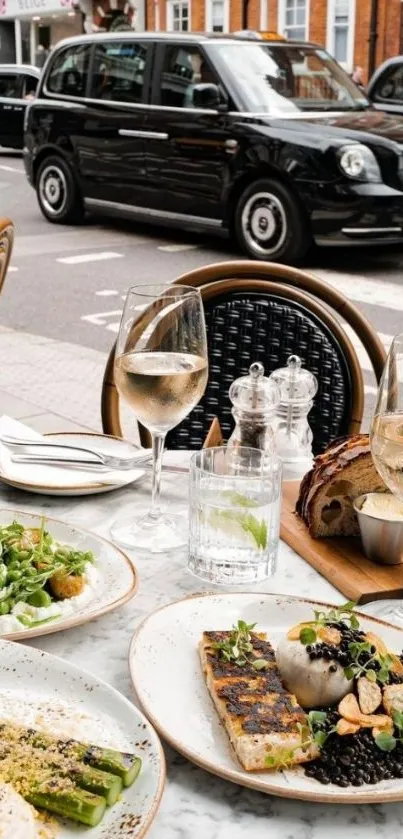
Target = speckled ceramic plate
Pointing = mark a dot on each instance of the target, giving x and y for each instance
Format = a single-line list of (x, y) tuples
[(164, 651), (118, 579), (59, 696), (61, 480)]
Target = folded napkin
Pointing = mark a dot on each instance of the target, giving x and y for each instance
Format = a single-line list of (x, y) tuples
[(54, 476)]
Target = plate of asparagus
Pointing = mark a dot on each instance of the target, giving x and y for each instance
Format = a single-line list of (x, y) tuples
[(75, 755)]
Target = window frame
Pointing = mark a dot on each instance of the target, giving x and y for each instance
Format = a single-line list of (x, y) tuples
[(157, 77), (43, 89), (170, 16), (347, 65), (281, 22), (208, 12), (57, 53), (147, 71)]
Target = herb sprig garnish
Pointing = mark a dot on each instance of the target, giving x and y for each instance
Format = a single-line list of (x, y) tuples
[(344, 613), (239, 647), (387, 741), (380, 673), (312, 733)]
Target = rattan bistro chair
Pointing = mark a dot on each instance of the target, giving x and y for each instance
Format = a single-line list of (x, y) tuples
[(6, 247), (265, 312)]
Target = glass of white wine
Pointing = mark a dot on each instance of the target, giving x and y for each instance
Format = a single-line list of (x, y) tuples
[(161, 371), (387, 448), (387, 424)]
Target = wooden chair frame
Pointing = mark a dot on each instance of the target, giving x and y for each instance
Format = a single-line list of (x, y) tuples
[(216, 279), (6, 247)]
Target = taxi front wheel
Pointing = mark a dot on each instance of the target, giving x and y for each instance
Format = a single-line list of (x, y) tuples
[(269, 224), (57, 192)]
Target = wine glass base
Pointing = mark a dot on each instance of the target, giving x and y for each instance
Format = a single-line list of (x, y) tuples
[(387, 610), (154, 534)]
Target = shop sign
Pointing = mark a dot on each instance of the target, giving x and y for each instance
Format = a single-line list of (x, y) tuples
[(29, 8)]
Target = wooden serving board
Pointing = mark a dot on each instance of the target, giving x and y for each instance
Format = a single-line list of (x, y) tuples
[(339, 559)]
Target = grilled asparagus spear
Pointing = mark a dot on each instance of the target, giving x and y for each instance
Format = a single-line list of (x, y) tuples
[(77, 805), (64, 776)]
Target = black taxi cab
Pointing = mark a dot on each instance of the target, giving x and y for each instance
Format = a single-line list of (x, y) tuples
[(267, 141), (18, 83)]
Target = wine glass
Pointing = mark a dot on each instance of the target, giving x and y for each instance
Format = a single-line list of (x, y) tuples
[(386, 438), (161, 371)]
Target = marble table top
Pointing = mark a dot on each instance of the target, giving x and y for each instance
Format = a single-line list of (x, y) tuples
[(195, 805)]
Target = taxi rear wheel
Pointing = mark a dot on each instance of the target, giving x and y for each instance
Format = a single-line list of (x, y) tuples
[(269, 223), (57, 192)]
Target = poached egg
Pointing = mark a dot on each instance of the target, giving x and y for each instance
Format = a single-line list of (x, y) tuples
[(313, 682)]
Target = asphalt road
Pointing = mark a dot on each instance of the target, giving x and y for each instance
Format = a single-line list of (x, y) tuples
[(69, 282)]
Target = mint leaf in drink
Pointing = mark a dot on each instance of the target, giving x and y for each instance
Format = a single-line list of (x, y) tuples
[(238, 499)]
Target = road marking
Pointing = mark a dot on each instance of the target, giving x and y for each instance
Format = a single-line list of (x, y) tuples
[(362, 355), (11, 269), (177, 248), (89, 257), (100, 318), (362, 290), (106, 292), (11, 169)]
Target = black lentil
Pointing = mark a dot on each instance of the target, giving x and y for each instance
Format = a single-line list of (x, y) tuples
[(342, 759)]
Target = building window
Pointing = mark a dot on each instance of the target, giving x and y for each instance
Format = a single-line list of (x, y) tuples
[(293, 19), (340, 31), (217, 16), (179, 16)]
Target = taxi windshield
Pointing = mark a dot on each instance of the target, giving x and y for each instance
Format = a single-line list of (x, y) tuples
[(285, 79)]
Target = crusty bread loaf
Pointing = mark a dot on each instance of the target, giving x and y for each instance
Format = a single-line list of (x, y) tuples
[(342, 473)]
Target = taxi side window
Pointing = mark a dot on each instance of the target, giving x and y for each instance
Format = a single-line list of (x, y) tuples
[(119, 71), (68, 72), (183, 68), (10, 86), (29, 85), (389, 87)]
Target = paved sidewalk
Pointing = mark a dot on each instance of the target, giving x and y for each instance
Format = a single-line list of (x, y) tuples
[(51, 385)]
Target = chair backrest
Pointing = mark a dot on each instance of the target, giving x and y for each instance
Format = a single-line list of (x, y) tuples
[(262, 319), (6, 246)]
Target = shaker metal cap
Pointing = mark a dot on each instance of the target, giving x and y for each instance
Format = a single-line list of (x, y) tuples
[(255, 392), (297, 386)]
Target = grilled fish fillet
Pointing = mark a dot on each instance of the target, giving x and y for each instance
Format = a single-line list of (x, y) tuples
[(260, 716)]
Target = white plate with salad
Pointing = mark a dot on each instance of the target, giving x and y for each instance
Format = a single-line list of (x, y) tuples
[(54, 576), (90, 766)]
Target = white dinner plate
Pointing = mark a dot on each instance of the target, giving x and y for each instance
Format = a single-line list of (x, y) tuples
[(117, 576), (60, 480), (164, 651), (41, 690)]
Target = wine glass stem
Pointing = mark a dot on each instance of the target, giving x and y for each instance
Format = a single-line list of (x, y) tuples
[(158, 442)]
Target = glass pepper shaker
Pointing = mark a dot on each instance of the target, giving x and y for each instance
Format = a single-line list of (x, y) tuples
[(255, 399), (292, 433)]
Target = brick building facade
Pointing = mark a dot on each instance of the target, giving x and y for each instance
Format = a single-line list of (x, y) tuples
[(343, 26)]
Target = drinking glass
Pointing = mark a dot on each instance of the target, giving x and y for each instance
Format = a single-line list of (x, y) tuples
[(161, 371), (386, 438), (235, 497)]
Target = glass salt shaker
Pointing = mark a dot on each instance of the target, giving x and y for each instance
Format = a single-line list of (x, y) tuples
[(255, 400), (292, 433)]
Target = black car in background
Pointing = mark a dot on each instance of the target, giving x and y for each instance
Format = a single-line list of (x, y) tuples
[(18, 84), (385, 89), (268, 141)]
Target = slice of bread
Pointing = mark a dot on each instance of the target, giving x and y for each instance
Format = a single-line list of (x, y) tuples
[(342, 473)]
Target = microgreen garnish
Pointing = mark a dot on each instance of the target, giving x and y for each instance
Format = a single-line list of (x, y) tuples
[(359, 668), (344, 613), (387, 741), (312, 733), (239, 647)]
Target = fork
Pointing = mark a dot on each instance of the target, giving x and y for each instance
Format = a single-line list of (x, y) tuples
[(142, 462), (97, 459)]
